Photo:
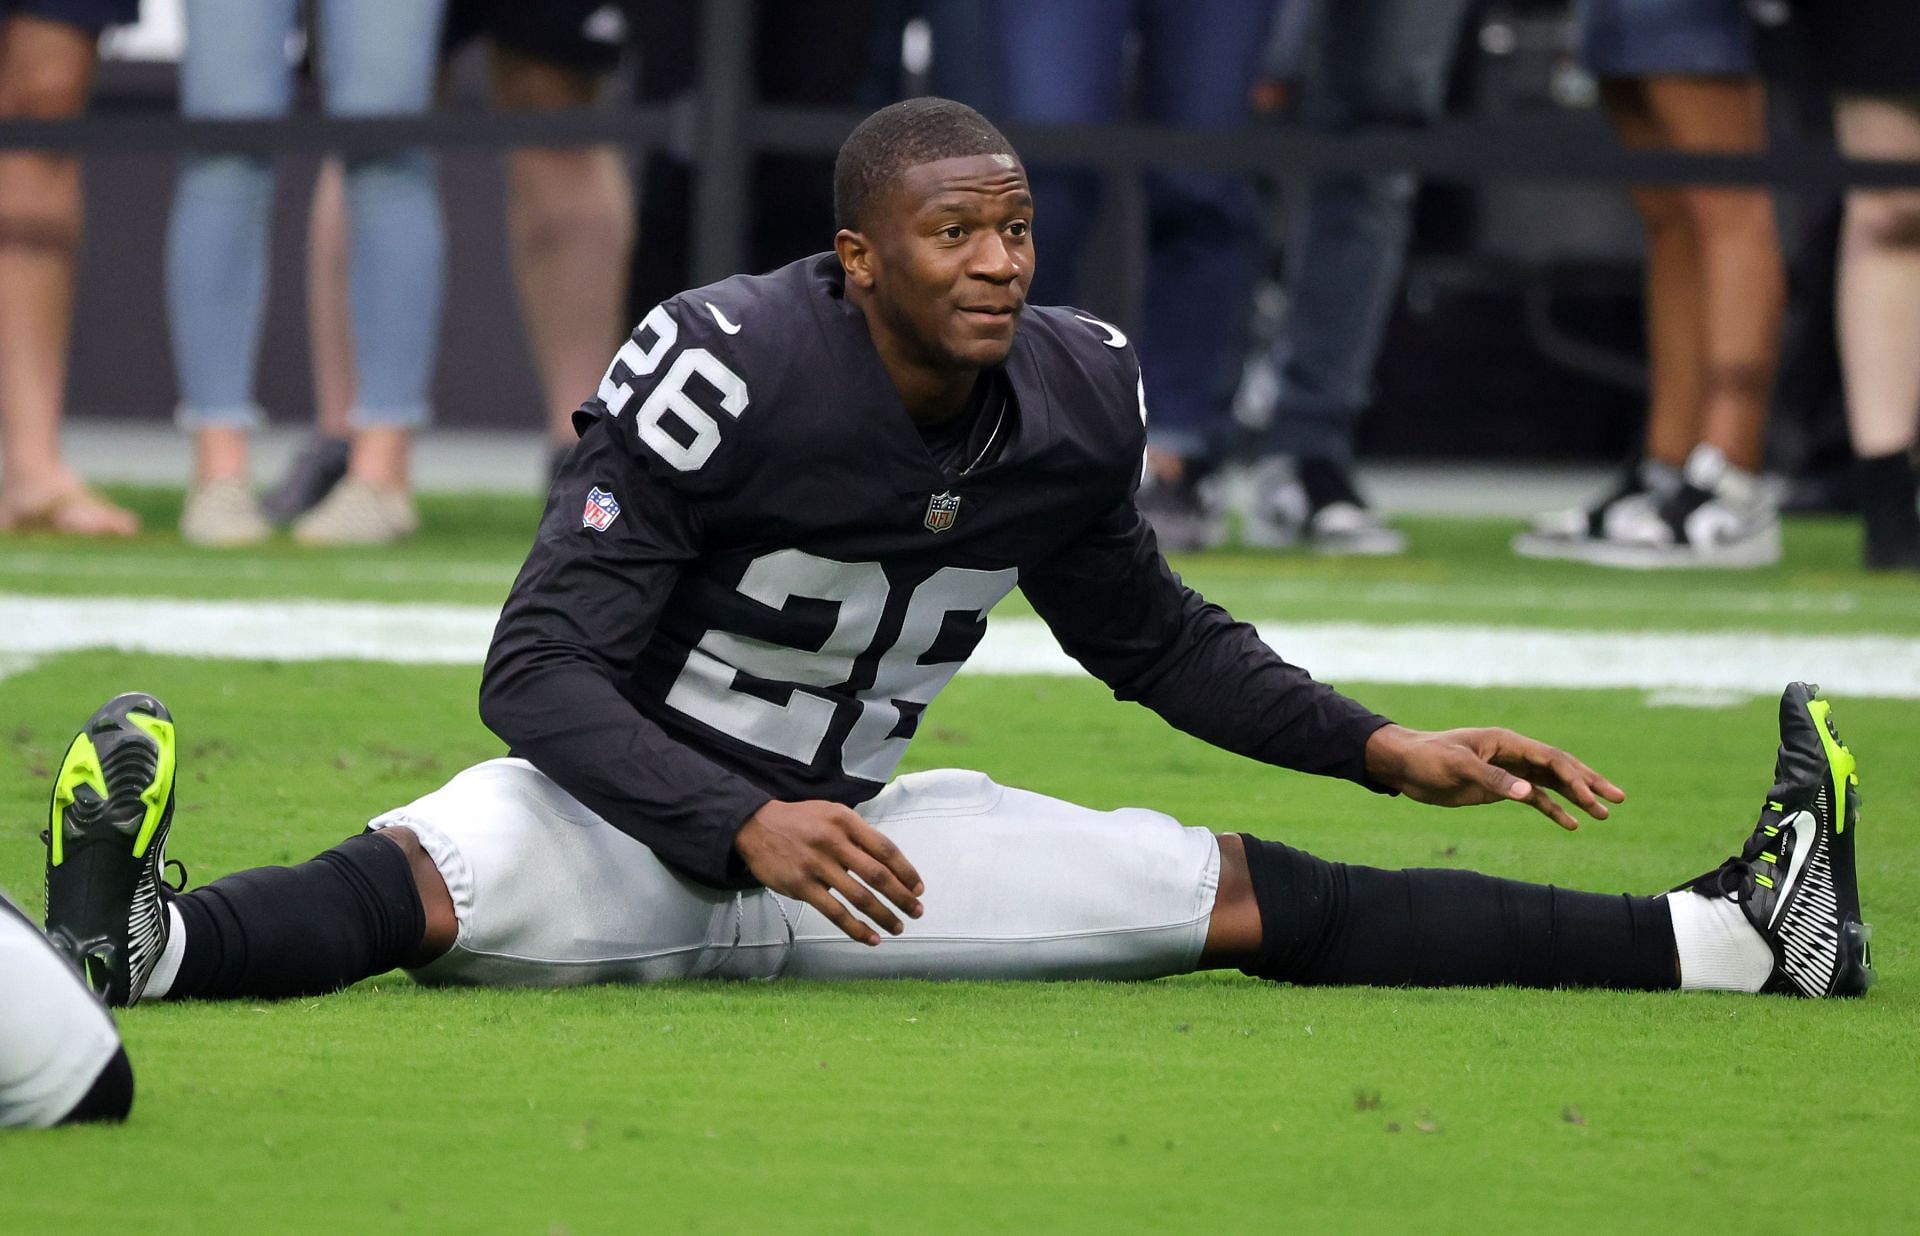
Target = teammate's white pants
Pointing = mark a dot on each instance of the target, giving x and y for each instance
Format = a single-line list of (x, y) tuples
[(54, 1036), (1018, 886)]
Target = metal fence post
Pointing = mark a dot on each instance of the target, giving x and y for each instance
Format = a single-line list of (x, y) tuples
[(722, 157)]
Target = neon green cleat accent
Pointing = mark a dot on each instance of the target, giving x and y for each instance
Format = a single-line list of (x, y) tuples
[(81, 767), (161, 787), (1838, 756)]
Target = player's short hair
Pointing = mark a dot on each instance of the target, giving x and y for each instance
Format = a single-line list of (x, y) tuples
[(904, 135)]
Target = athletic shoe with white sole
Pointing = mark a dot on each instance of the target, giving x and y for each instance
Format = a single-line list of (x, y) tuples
[(106, 845), (1720, 517), (1315, 504), (1572, 533), (1795, 877)]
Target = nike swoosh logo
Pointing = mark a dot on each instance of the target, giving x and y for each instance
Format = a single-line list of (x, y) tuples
[(1805, 830), (721, 318), (1114, 338)]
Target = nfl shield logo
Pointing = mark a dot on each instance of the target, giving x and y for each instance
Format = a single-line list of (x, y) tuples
[(601, 509), (942, 510)]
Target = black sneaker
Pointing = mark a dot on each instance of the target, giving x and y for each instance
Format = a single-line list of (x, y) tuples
[(106, 844), (1795, 877), (320, 465), (1183, 521)]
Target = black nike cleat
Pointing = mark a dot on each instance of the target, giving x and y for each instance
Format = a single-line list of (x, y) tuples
[(106, 844), (1795, 877)]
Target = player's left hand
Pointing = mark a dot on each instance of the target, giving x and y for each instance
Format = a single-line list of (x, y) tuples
[(1461, 768)]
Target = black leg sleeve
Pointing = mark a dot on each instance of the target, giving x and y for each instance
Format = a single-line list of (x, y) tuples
[(1330, 923), (344, 915), (111, 1095)]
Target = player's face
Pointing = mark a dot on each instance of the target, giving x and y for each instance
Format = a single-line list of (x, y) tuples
[(955, 247)]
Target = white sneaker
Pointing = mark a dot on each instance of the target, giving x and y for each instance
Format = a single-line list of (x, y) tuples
[(358, 512), (1573, 532), (1280, 517), (223, 514), (1719, 517)]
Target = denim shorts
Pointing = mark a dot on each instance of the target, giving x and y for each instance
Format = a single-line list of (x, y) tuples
[(1647, 38), (90, 15)]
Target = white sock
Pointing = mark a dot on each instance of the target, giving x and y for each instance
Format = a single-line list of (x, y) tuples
[(160, 982), (1719, 949)]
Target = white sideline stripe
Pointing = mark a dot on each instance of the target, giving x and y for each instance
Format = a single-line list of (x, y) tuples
[(16, 663), (1443, 655)]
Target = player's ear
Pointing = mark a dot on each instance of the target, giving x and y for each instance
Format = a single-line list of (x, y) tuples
[(856, 257)]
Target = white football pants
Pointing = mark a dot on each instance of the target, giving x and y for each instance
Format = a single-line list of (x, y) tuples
[(54, 1036), (1018, 886)]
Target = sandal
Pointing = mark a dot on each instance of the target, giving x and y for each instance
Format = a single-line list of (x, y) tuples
[(77, 511)]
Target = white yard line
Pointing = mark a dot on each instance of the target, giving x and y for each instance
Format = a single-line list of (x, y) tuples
[(138, 564), (12, 663), (1471, 656)]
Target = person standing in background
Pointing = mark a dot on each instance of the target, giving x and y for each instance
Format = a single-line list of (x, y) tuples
[(1680, 75), (48, 54), (569, 229), (1869, 51), (376, 59), (1064, 62), (1369, 63)]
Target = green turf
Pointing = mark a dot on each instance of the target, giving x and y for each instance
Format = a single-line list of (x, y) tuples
[(1461, 572), (1205, 1104)]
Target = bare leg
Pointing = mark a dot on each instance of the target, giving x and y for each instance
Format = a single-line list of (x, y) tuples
[(1743, 280), (1879, 293), (1233, 934), (46, 71), (442, 926), (381, 456), (570, 230), (329, 332), (1675, 337)]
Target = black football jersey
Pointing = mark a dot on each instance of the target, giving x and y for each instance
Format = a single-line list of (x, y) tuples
[(753, 574)]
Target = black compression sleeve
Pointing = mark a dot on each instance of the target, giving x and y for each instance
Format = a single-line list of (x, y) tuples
[(1331, 923), (349, 913)]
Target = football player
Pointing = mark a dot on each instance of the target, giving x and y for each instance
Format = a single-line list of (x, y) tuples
[(795, 498), (60, 1057)]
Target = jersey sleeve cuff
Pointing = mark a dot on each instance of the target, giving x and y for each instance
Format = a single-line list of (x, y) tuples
[(1363, 728)]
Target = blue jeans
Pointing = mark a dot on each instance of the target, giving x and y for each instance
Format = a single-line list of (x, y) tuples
[(378, 59), (1062, 63), (1376, 62)]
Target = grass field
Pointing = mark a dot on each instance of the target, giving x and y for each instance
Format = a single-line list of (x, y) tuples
[(1204, 1104)]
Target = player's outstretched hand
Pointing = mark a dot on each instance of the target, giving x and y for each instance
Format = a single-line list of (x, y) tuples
[(1460, 768), (811, 850)]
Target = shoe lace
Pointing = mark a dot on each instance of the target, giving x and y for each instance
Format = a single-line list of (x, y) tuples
[(173, 874), (1734, 879)]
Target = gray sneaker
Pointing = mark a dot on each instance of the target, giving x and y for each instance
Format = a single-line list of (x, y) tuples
[(1182, 518), (222, 515), (358, 512)]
